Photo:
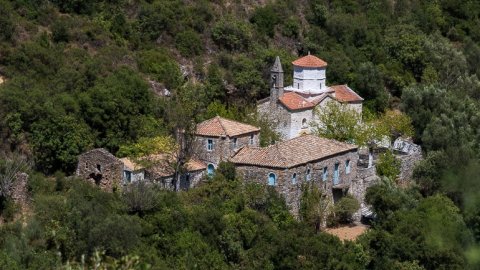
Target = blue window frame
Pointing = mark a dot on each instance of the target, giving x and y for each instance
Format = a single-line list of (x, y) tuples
[(336, 174), (234, 142), (272, 179), (294, 178), (325, 174), (251, 139), (210, 144), (210, 169), (347, 166)]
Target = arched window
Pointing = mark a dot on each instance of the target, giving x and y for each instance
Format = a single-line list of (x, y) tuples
[(304, 123), (272, 179), (294, 178), (210, 169)]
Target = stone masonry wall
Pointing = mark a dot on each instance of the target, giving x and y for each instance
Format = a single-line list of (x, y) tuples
[(223, 147), (101, 168), (292, 191)]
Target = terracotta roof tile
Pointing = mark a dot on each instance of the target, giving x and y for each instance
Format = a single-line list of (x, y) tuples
[(310, 61), (220, 127), (343, 93), (291, 153), (131, 165), (294, 101), (195, 165)]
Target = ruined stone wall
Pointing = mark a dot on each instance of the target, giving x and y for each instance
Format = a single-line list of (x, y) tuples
[(292, 190), (366, 177), (407, 164), (100, 168)]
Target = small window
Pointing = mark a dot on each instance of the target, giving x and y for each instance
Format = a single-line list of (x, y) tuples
[(294, 178), (99, 167), (251, 139), (309, 175), (234, 142), (209, 144), (86, 165), (272, 179), (304, 123), (210, 169), (128, 176), (325, 174), (347, 166)]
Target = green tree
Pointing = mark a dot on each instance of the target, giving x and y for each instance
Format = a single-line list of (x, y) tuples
[(314, 206), (57, 142)]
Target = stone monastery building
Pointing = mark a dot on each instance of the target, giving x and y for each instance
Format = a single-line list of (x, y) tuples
[(335, 167), (291, 108)]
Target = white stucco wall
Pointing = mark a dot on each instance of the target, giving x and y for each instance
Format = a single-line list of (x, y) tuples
[(296, 126), (312, 80)]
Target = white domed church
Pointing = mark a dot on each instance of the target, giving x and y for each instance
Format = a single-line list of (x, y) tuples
[(291, 108)]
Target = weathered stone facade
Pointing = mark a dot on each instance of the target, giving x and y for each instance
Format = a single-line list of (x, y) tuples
[(187, 181), (101, 168), (409, 155), (223, 147), (292, 190)]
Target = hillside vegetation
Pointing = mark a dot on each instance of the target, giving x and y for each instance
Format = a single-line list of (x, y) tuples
[(83, 74)]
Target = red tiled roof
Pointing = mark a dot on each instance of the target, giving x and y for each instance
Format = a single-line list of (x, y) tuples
[(343, 93), (294, 101), (195, 165), (310, 61), (220, 127), (291, 153)]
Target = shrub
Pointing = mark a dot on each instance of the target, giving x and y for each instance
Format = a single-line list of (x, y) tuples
[(265, 18), (227, 169), (344, 209), (231, 34), (60, 32), (189, 43), (160, 64), (388, 166)]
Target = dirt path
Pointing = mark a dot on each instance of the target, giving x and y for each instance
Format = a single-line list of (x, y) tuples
[(349, 232)]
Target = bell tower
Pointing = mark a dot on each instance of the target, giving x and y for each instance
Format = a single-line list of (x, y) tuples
[(276, 82)]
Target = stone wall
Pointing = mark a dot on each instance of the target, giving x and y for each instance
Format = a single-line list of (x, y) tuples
[(407, 164), (223, 147), (195, 179), (292, 190), (101, 168)]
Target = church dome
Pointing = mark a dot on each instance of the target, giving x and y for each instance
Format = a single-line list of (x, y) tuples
[(309, 61)]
